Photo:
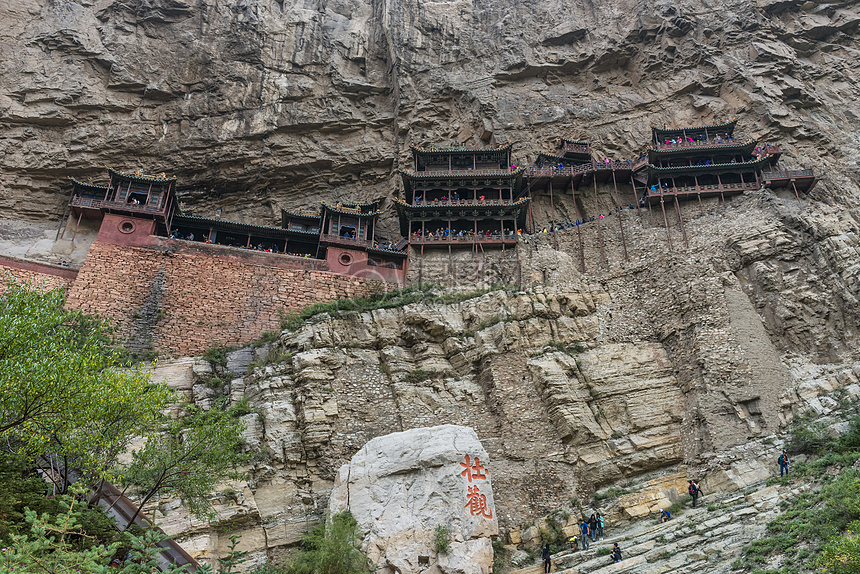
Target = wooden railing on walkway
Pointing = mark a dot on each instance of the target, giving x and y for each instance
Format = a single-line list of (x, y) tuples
[(787, 174), (94, 203), (703, 189), (465, 239)]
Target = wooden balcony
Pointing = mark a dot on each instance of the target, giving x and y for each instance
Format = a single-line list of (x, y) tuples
[(735, 141), (798, 179), (463, 241), (350, 242), (686, 192), (464, 172), (463, 202), (96, 204)]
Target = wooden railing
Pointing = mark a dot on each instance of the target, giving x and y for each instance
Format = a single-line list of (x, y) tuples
[(787, 173), (465, 239), (122, 510), (348, 241), (703, 188), (579, 169), (463, 202), (464, 172), (94, 203), (698, 143)]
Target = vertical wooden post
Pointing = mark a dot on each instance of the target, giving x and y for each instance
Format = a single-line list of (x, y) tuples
[(248, 245), (531, 213), (636, 194), (421, 259), (720, 185), (797, 195), (519, 268), (597, 207), (681, 219), (579, 224), (618, 209), (665, 220), (75, 234)]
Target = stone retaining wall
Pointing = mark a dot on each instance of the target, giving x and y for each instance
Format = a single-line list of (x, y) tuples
[(49, 276), (179, 298)]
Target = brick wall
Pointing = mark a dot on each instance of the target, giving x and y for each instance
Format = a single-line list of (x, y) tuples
[(48, 276), (179, 298)]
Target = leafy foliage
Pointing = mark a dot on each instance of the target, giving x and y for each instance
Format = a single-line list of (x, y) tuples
[(189, 457), (424, 293), (820, 524), (442, 539), (331, 548), (63, 388), (841, 555)]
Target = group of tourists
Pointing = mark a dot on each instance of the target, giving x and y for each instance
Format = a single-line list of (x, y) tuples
[(680, 140), (593, 526), (455, 196), (445, 232)]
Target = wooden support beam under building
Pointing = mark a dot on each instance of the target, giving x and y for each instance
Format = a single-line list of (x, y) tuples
[(665, 220), (618, 210), (597, 219), (681, 220), (578, 225)]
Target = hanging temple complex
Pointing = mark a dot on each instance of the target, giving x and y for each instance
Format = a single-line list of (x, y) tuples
[(456, 199)]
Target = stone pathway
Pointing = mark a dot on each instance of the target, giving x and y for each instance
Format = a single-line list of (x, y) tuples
[(697, 541)]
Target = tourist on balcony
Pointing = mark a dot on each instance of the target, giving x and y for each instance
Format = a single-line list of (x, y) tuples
[(455, 196), (481, 198), (190, 236)]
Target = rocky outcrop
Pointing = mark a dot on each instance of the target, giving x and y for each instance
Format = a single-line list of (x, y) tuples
[(258, 105), (407, 491)]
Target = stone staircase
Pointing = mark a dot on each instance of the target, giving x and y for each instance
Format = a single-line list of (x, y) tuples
[(695, 542)]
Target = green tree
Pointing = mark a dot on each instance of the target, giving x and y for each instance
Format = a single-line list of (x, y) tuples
[(188, 458), (841, 555), (331, 548), (62, 542), (63, 389)]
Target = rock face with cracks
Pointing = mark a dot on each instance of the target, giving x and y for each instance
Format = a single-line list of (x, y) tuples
[(256, 105), (402, 487)]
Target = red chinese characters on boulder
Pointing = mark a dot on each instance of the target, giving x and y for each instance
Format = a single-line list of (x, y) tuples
[(475, 501), (473, 470)]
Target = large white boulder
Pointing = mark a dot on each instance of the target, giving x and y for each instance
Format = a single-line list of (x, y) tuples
[(401, 487)]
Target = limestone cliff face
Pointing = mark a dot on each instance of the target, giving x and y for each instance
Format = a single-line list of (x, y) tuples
[(255, 105), (649, 369)]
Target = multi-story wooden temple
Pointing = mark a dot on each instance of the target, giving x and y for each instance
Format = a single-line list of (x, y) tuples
[(703, 161), (461, 198), (342, 235), (148, 197), (457, 198)]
